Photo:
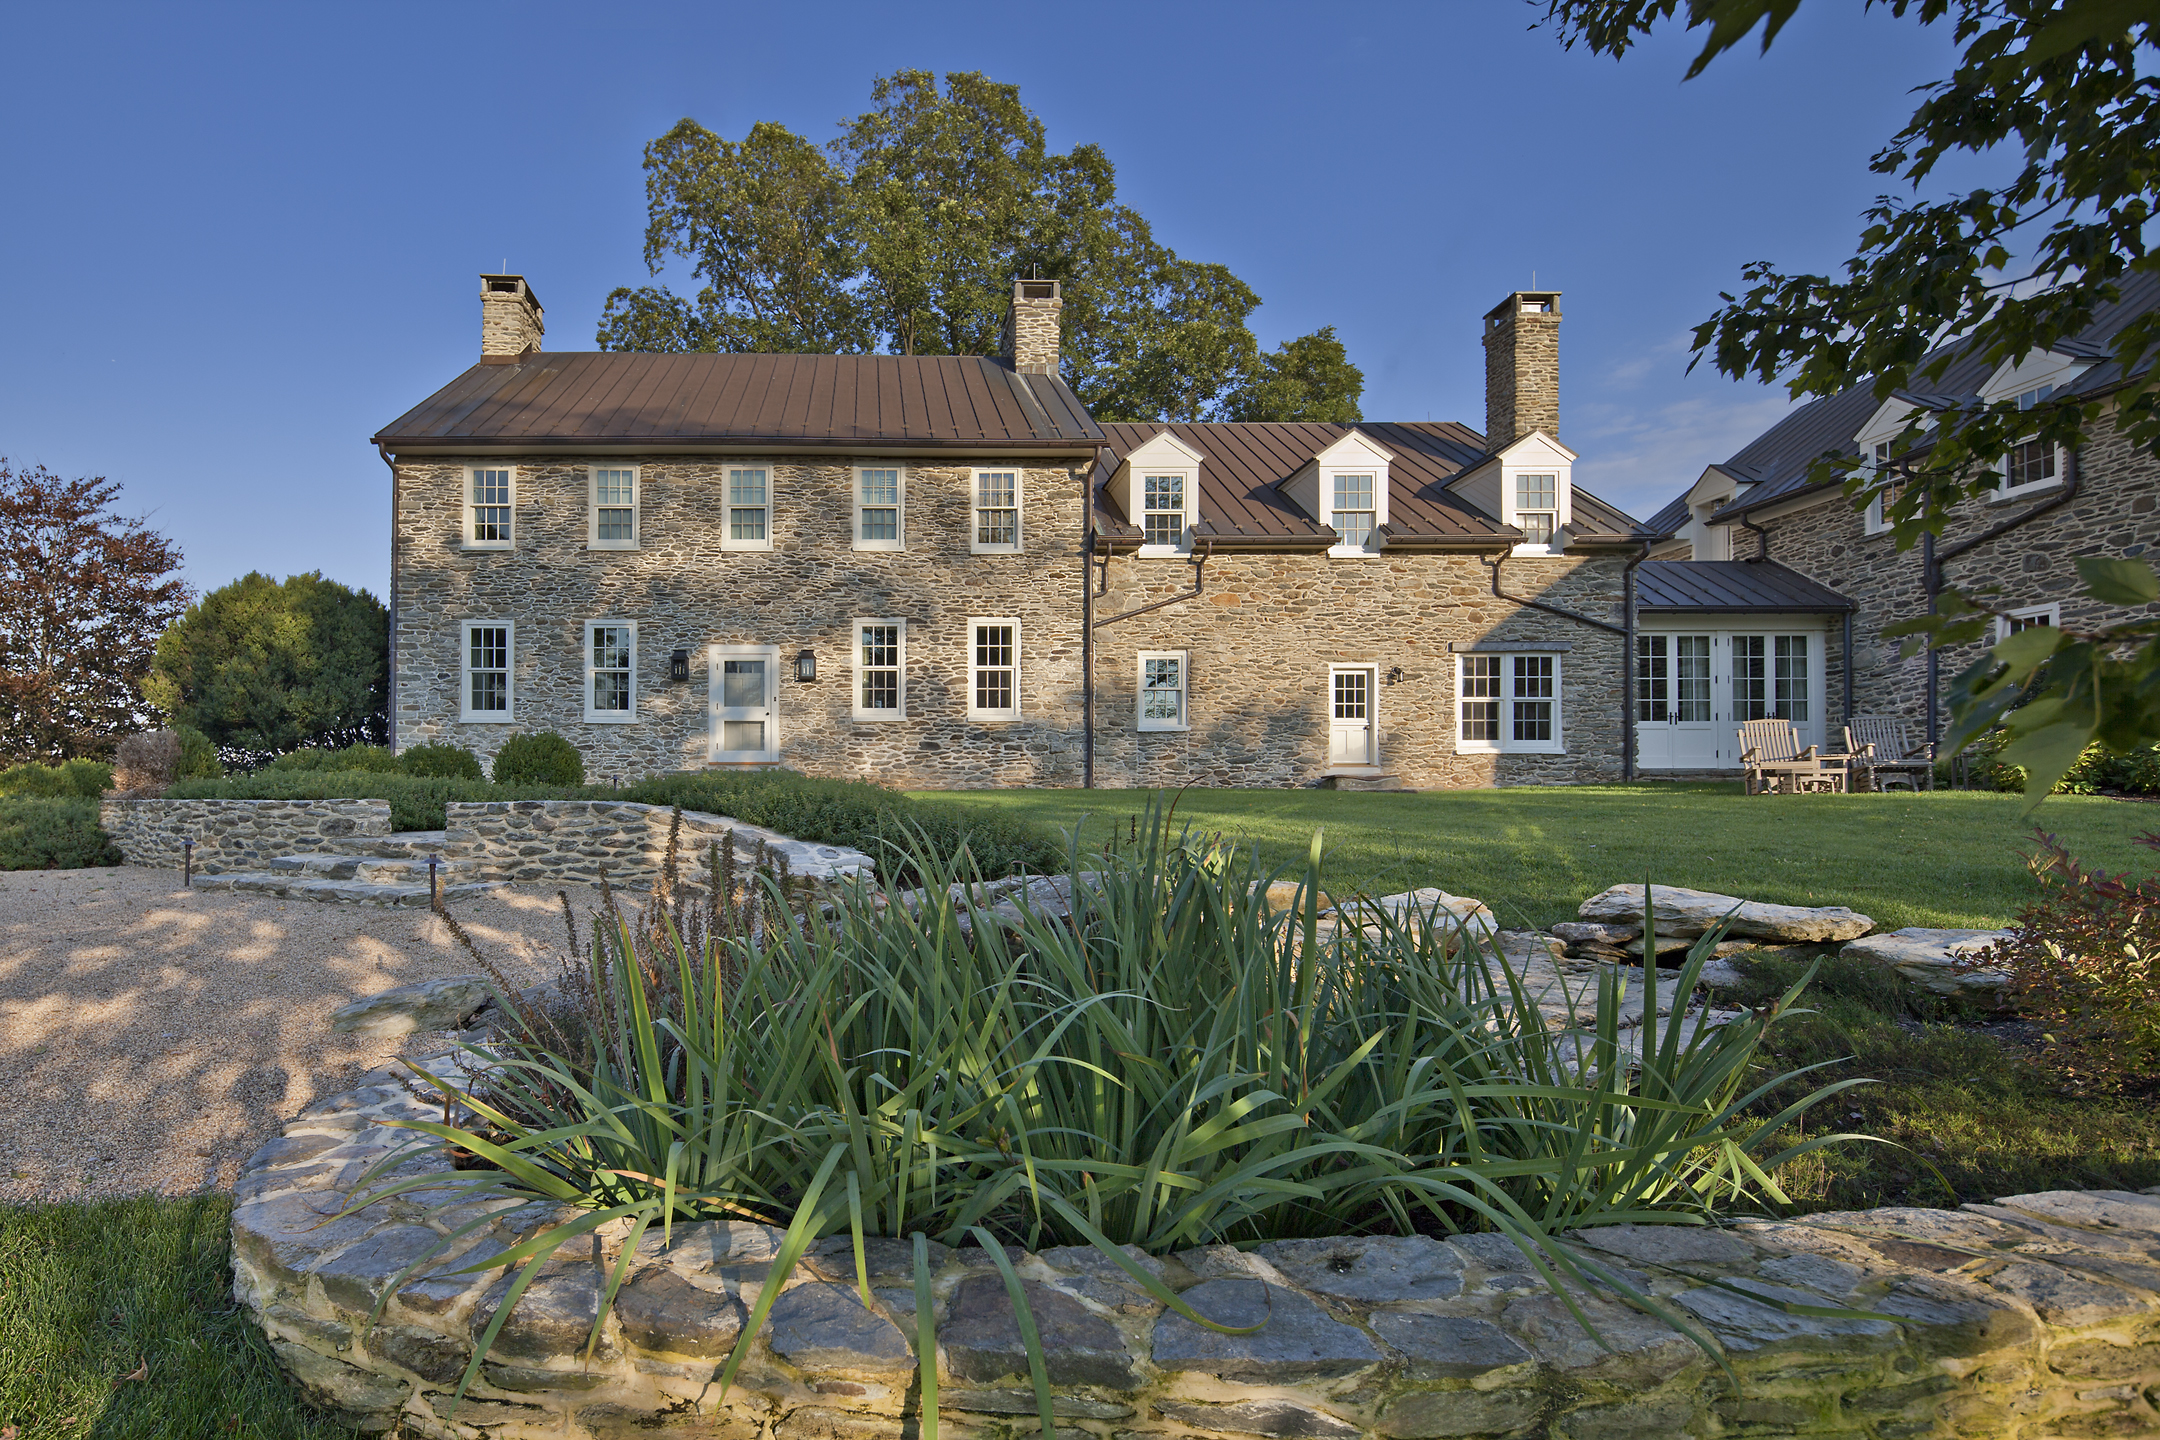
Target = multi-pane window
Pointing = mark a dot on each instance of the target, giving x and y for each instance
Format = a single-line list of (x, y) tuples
[(1672, 678), (1789, 676), (997, 510), (877, 508), (749, 509), (1770, 677), (1507, 701), (614, 507), (1691, 678), (2031, 462), (610, 670), (1750, 678), (1477, 706), (1163, 509), (487, 509), (880, 670), (1653, 678), (1531, 699), (1353, 513), (486, 692), (1537, 507), (1883, 503), (1162, 690), (994, 669), (2037, 616)]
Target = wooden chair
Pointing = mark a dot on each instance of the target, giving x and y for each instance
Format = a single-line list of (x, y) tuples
[(1889, 751), (1772, 760)]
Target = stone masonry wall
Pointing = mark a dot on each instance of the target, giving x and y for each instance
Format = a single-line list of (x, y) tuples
[(1522, 375), (572, 839), (2114, 514), (1265, 630), (234, 834), (2037, 1316)]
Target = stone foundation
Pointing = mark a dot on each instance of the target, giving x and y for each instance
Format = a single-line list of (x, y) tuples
[(235, 834), (2038, 1316)]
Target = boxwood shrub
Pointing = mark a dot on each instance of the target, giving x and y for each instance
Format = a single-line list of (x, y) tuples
[(78, 779), (542, 759), (52, 833)]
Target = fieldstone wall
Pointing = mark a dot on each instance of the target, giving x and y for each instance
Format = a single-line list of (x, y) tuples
[(572, 839), (2035, 1317), (234, 834)]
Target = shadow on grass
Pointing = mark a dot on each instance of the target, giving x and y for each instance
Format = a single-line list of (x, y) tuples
[(117, 1322)]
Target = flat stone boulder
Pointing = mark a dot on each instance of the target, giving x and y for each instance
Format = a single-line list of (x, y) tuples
[(981, 1337), (445, 1004), (1929, 958), (662, 1310), (823, 1326), (1750, 1322), (1681, 911), (1448, 1347), (1431, 906), (1595, 932), (1296, 1339), (1372, 1269), (1260, 1417)]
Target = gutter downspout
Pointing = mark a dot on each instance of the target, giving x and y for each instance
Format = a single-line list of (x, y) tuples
[(1502, 559), (391, 655), (1848, 667), (1762, 536), (1627, 662), (1087, 660)]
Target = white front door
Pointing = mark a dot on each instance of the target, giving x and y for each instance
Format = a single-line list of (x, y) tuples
[(743, 697), (1350, 723)]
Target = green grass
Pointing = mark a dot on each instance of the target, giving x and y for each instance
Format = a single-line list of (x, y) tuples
[(90, 1294), (1946, 859)]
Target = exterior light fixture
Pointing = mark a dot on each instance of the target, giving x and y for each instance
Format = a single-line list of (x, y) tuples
[(806, 665), (1394, 675), (678, 665)]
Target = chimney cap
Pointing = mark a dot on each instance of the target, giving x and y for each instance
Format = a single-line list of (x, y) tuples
[(508, 285), (1032, 288), (1526, 302)]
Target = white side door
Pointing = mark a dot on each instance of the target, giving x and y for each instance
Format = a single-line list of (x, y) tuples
[(743, 702), (1675, 720), (1350, 722)]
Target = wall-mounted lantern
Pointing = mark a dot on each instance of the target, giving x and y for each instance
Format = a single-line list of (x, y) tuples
[(806, 665), (678, 666), (1394, 675)]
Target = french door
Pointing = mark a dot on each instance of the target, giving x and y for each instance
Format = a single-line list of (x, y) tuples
[(743, 684), (1692, 690)]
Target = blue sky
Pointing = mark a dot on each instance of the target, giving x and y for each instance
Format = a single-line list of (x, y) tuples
[(240, 239)]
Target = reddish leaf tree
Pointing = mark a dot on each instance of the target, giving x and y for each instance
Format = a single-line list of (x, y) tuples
[(84, 595)]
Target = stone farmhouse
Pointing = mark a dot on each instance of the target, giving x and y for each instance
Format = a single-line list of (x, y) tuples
[(941, 571), (1806, 583)]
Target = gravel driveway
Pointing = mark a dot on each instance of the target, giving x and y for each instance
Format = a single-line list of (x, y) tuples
[(151, 1037)]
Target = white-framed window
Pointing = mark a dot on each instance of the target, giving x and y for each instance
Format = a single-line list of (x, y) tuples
[(880, 652), (1770, 677), (1162, 690), (2031, 464), (1885, 496), (993, 668), (487, 651), (2026, 619), (880, 507), (749, 508), (490, 507), (1163, 511), (1537, 508), (1508, 702), (611, 672), (611, 521), (1354, 507), (997, 504)]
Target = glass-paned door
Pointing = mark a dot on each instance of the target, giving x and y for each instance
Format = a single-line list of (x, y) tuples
[(743, 681), (1675, 726), (1350, 719)]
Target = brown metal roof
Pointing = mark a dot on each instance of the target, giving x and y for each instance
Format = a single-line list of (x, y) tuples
[(1240, 480), (616, 400), (1730, 587)]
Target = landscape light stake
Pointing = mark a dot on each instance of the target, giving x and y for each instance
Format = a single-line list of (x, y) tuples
[(434, 896), (187, 864)]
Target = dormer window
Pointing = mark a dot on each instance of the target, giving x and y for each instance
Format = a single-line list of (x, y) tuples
[(2030, 463), (1537, 507), (1158, 487), (1353, 512), (1344, 489), (1163, 520)]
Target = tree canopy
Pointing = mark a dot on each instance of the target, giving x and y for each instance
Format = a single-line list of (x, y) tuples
[(269, 666), (2062, 97), (903, 235), (83, 595)]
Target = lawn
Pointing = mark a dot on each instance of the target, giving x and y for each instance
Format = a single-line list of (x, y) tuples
[(1947, 859)]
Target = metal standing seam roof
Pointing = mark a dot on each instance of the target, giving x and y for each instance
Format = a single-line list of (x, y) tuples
[(1246, 463), (621, 400), (1710, 586)]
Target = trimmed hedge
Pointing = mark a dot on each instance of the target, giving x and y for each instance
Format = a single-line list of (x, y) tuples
[(540, 759), (441, 762), (40, 833), (371, 759), (72, 779)]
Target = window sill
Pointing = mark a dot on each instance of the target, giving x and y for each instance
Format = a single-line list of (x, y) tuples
[(2024, 493), (1537, 552), (1163, 552), (486, 545), (993, 717), (995, 550), (1344, 552), (487, 719), (881, 547), (1462, 749), (746, 547)]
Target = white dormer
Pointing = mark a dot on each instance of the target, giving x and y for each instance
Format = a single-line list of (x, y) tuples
[(1715, 489), (1530, 485), (1878, 443), (1345, 488), (1158, 488), (2031, 465)]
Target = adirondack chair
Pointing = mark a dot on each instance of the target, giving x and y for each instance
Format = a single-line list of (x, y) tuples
[(1772, 760), (1889, 751)]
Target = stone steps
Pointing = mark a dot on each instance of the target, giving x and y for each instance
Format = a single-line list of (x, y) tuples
[(1383, 781), (370, 869), (297, 885), (404, 845)]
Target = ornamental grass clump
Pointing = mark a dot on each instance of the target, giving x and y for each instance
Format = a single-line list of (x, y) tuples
[(1173, 1063)]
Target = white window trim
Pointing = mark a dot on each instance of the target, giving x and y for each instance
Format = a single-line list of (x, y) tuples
[(974, 669), (856, 668), (466, 714), (1379, 472), (974, 497), (1876, 522), (1184, 661), (772, 506), (1506, 744), (899, 540), (592, 508), (2052, 614), (1191, 490), (715, 655), (611, 717), (466, 474), (1511, 514), (2004, 489)]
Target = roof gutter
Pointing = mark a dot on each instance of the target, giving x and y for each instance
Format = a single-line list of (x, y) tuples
[(1502, 557)]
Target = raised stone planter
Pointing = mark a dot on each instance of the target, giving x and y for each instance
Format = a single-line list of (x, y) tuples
[(572, 839), (235, 834), (2037, 1316)]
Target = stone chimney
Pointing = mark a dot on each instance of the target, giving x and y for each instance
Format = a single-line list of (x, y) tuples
[(1522, 367), (511, 320), (1030, 341)]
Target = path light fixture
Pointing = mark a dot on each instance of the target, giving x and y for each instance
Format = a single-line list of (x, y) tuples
[(678, 666), (806, 665)]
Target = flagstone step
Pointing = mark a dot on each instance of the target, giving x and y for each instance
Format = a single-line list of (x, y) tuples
[(374, 870), (292, 885)]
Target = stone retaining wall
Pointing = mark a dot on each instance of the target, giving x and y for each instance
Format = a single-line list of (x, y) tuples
[(234, 834), (571, 840), (2038, 1316)]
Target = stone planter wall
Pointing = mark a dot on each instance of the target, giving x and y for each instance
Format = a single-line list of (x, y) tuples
[(2035, 1317), (571, 839), (234, 834)]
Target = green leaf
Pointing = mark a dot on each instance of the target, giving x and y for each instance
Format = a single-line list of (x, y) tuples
[(2047, 755), (2029, 647), (2119, 582)]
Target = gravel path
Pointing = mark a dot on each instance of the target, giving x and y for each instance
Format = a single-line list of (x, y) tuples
[(151, 1037)]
